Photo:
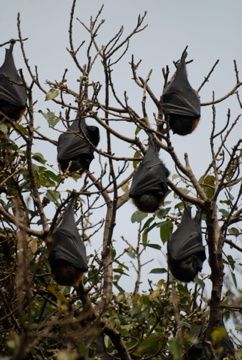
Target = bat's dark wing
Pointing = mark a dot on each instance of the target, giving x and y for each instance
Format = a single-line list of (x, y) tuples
[(226, 342), (72, 144), (12, 90), (187, 239), (150, 176), (101, 349), (179, 97), (202, 349), (67, 243)]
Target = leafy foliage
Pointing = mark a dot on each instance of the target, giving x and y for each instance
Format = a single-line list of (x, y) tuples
[(109, 314)]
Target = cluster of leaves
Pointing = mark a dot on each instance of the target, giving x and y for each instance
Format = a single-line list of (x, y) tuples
[(41, 320)]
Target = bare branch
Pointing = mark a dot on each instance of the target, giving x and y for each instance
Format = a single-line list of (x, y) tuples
[(233, 245), (206, 78), (72, 51), (20, 225), (230, 93)]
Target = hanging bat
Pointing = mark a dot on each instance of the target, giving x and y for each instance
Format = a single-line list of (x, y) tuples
[(13, 94), (180, 102), (185, 250), (74, 153), (101, 351), (67, 255), (205, 350), (149, 186)]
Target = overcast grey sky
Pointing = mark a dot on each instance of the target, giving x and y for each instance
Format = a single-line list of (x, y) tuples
[(211, 29)]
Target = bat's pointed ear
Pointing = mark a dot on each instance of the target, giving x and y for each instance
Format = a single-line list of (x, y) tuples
[(198, 217), (12, 43), (187, 213), (187, 210), (151, 142), (74, 198), (184, 54)]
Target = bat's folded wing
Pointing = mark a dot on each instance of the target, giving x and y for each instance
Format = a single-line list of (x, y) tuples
[(12, 89), (180, 248), (67, 244), (181, 103), (71, 146), (150, 176)]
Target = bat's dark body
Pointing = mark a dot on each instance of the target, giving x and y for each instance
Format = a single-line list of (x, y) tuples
[(149, 186), (13, 95), (74, 153), (185, 250), (224, 348), (66, 274), (101, 349), (67, 256), (180, 102)]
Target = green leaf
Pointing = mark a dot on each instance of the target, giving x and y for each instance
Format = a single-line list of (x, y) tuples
[(162, 213), (52, 175), (149, 345), (39, 157), (200, 283), (137, 154), (224, 212), (131, 252), (227, 202), (23, 130), (234, 231), (125, 187), (120, 271), (179, 205), (50, 117), (53, 196), (121, 265), (154, 295), (83, 350), (151, 227), (137, 130), (166, 228), (234, 165), (52, 94), (145, 238), (175, 176), (175, 348), (43, 177), (11, 343), (158, 271), (154, 246), (138, 216), (120, 289), (184, 190), (234, 279), (147, 223), (218, 334), (208, 185), (237, 181), (231, 261)]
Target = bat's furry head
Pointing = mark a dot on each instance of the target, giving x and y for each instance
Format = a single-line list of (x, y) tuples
[(80, 163), (148, 202), (64, 273), (187, 269), (182, 125)]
